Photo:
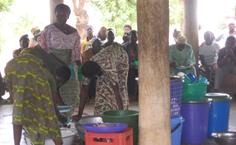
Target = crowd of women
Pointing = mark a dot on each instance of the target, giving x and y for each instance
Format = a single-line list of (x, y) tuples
[(40, 69), (96, 67), (218, 63)]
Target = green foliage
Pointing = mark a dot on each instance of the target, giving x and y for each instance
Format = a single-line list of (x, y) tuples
[(117, 13), (4, 4), (176, 13), (23, 24)]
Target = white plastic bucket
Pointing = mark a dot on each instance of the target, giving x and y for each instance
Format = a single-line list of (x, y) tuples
[(67, 137)]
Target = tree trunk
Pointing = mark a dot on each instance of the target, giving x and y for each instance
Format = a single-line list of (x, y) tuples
[(81, 16), (191, 24), (53, 4), (154, 96)]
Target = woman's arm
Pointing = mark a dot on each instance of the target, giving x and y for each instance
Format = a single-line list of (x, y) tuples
[(222, 58), (76, 56), (83, 100), (17, 129)]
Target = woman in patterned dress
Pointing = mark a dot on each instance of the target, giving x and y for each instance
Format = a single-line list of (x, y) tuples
[(63, 41), (33, 88), (110, 69)]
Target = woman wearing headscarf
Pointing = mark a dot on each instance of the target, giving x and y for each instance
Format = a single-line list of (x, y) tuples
[(208, 54), (208, 50), (226, 62), (24, 43), (181, 57)]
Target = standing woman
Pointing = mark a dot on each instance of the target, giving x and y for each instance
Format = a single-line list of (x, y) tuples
[(63, 41)]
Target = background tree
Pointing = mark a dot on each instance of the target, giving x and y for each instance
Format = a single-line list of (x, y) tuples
[(117, 13), (82, 17), (176, 10), (4, 4)]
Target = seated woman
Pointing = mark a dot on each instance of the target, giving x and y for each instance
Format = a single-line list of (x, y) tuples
[(181, 57), (208, 50), (24, 43), (226, 62), (208, 54)]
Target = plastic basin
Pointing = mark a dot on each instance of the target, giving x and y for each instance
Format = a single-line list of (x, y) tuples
[(124, 116)]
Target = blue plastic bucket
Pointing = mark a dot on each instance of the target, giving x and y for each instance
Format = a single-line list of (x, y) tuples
[(219, 112), (176, 130), (195, 126)]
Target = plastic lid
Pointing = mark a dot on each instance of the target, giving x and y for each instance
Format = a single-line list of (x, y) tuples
[(175, 78), (205, 100), (218, 96)]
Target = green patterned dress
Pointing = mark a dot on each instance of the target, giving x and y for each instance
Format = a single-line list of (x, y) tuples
[(31, 86)]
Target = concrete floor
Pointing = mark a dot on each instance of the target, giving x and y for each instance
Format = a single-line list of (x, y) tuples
[(6, 134)]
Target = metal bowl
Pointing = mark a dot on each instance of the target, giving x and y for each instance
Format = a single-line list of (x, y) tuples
[(226, 138)]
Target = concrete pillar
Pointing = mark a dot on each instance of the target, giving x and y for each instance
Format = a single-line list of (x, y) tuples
[(154, 95), (191, 24), (53, 4)]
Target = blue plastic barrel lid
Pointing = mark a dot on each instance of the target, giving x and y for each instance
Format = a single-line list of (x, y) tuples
[(218, 96)]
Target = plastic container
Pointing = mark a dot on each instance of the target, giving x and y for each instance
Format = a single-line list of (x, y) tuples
[(72, 71), (122, 138), (176, 92), (105, 127), (191, 77), (176, 130), (195, 126), (194, 91), (67, 137), (135, 63), (64, 109), (219, 112), (124, 116), (80, 74), (226, 138), (85, 120)]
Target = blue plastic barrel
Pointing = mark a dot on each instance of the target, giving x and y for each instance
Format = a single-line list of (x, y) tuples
[(219, 112), (176, 130), (195, 126)]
